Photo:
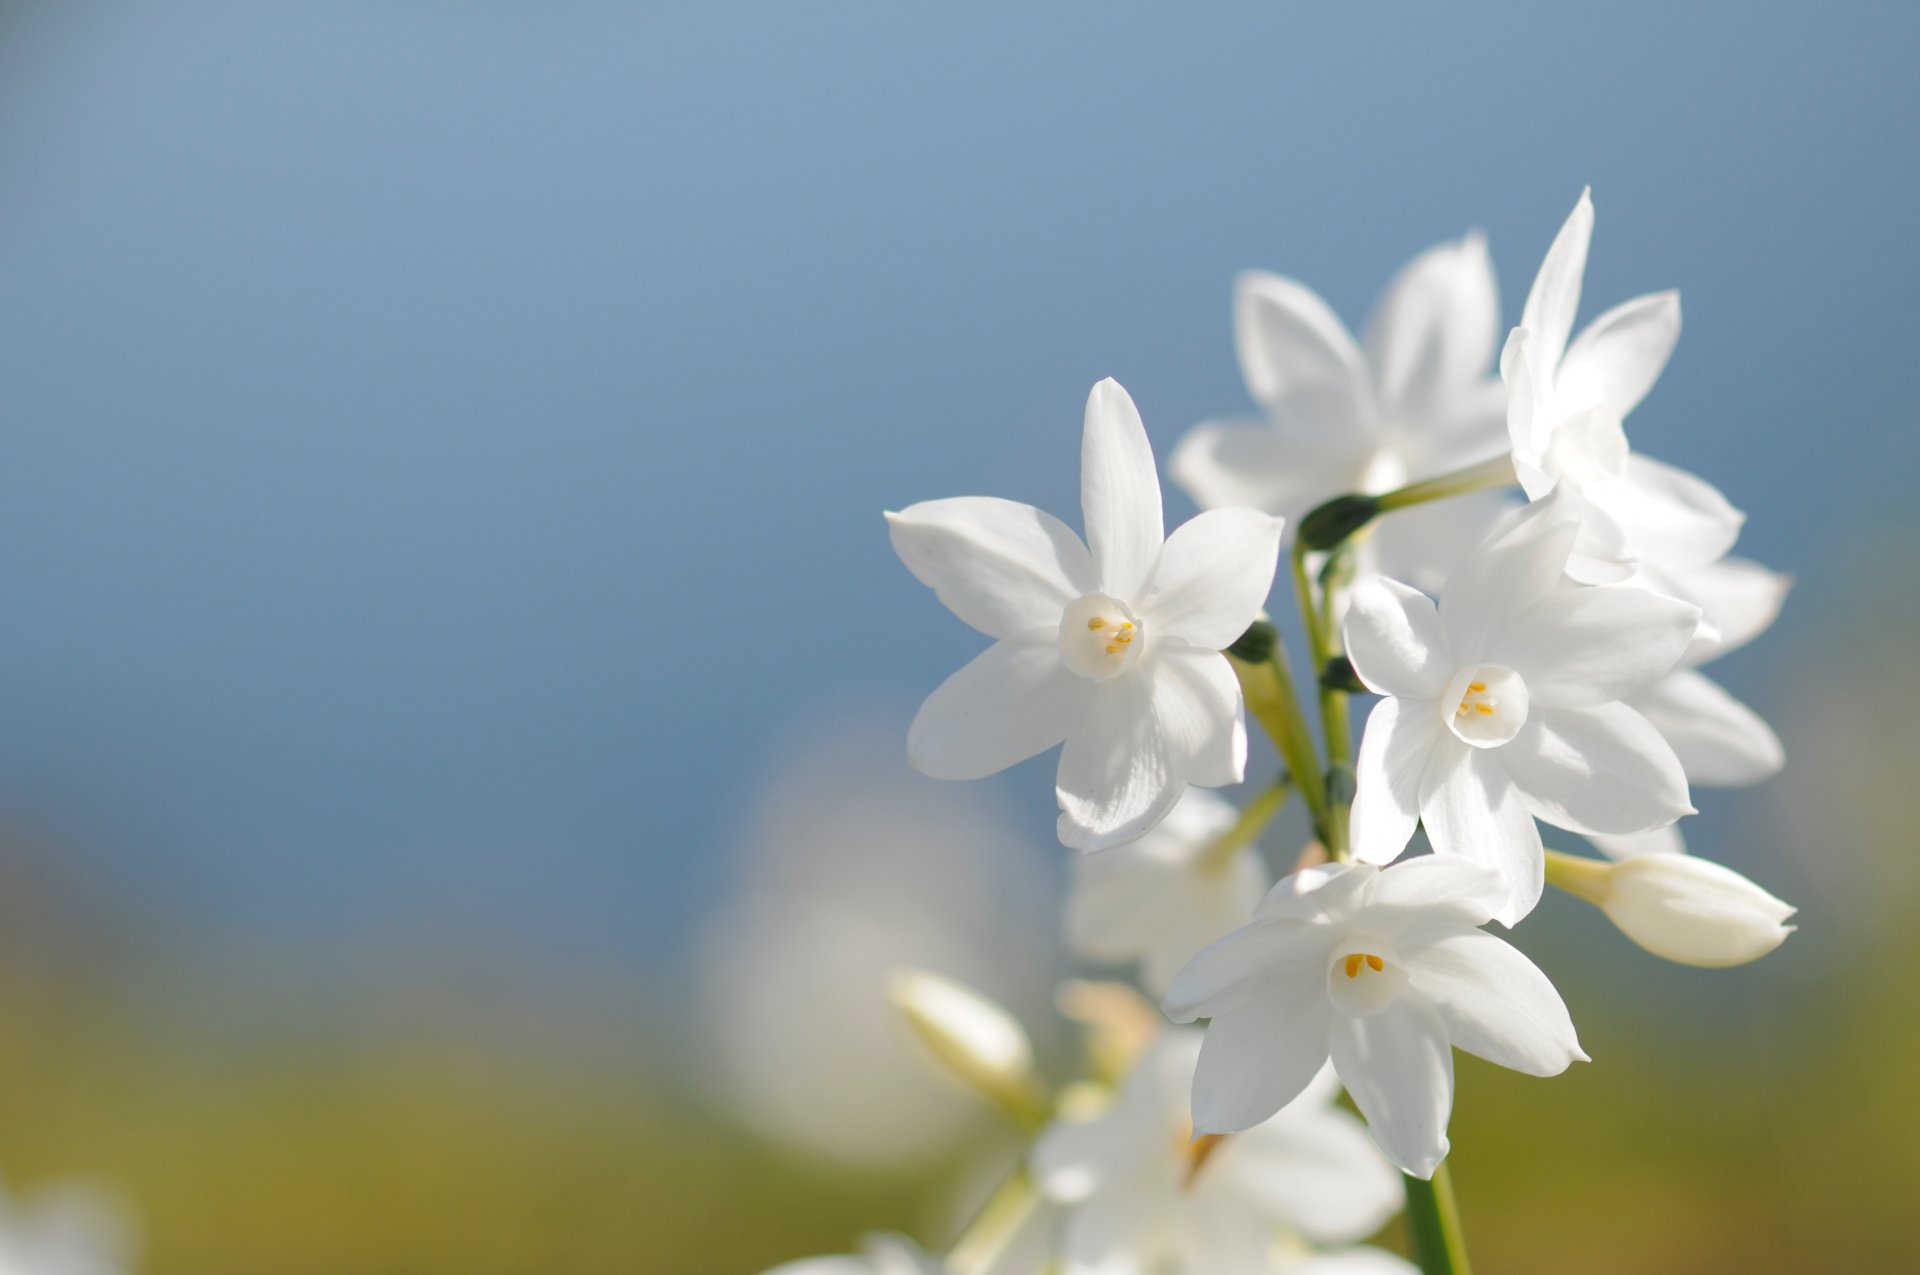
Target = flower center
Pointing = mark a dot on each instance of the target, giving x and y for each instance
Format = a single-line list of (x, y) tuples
[(1099, 636), (1485, 705), (1365, 976)]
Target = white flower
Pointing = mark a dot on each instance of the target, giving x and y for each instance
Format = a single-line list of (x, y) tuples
[(1502, 705), (1113, 646), (1679, 907), (883, 1255), (1140, 1195), (1386, 971), (1161, 899), (1564, 411), (1417, 399)]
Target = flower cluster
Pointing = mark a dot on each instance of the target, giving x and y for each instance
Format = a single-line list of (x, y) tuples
[(1473, 542)]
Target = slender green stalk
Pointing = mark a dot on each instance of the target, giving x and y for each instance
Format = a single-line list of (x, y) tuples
[(1335, 725), (1485, 476), (1433, 1216), (1267, 686), (995, 1224), (1248, 826)]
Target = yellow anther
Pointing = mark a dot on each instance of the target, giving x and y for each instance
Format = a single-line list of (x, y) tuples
[(1356, 959), (1477, 687), (1374, 963), (1096, 622), (1123, 638), (1111, 648), (1485, 710)]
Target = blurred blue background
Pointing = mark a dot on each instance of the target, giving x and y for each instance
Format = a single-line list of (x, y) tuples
[(443, 445)]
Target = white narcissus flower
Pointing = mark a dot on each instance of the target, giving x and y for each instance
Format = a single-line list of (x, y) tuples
[(1384, 970), (1141, 1196), (882, 1255), (1163, 898), (1415, 399), (1112, 645), (1564, 410), (1503, 705), (1678, 907)]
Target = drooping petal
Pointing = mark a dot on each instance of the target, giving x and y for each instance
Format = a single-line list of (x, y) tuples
[(1395, 640), (1299, 360), (1197, 709), (1119, 491), (1471, 809), (1741, 599), (1398, 1066), (1013, 700), (1616, 359), (1238, 969), (1001, 566), (1213, 577), (1720, 741), (1579, 647), (1259, 1057), (1116, 777), (1437, 325), (1554, 298), (1599, 769), (1400, 735), (1314, 1168), (1672, 518), (1495, 1002), (1520, 562)]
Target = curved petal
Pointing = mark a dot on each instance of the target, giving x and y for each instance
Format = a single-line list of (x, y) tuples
[(1395, 640), (1399, 1068), (1521, 561), (1116, 777), (1013, 700), (1600, 769), (1228, 464), (1741, 599), (1409, 898), (1314, 1169), (1720, 741), (1554, 298), (1580, 647), (1240, 969), (1495, 1002), (1667, 840), (1299, 360), (1616, 359), (1001, 566), (1258, 1057), (1197, 708), (1119, 491), (1213, 577), (1470, 808), (1435, 329), (1400, 736), (1672, 518)]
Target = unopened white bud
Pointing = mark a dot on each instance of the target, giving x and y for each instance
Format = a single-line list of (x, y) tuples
[(974, 1040), (1678, 907)]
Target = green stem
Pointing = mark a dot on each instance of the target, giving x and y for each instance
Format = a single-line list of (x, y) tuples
[(996, 1223), (1439, 1245), (1335, 725), (1248, 826), (1268, 689), (1485, 476)]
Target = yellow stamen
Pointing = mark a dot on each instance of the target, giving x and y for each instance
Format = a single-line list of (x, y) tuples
[(1353, 965), (1477, 687), (1375, 964), (1485, 710), (1111, 648), (1355, 959), (1096, 623)]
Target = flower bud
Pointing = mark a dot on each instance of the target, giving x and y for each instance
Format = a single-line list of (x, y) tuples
[(974, 1040), (1333, 522), (1678, 907)]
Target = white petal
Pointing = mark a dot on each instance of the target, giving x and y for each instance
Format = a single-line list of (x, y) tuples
[(1470, 808), (1072, 1158), (1224, 464), (1313, 1169), (1400, 735), (1667, 840), (1618, 357), (1245, 967), (1354, 1261), (1119, 491), (1001, 566), (1520, 562), (1741, 599), (1299, 360), (1197, 709), (1554, 298), (1259, 1057), (1495, 1002), (826, 1266), (1116, 777), (1720, 741), (1580, 647), (1436, 327), (1601, 769), (1213, 577), (1013, 700), (1395, 640), (1671, 517), (1411, 897), (1319, 893), (1399, 1069)]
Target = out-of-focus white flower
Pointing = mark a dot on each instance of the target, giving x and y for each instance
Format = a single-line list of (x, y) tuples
[(1163, 898), (881, 1255), (1385, 970), (1503, 705), (975, 1040), (1565, 406), (1140, 1194), (1112, 645), (1346, 1261), (1678, 907), (854, 867), (1417, 399), (65, 1228)]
